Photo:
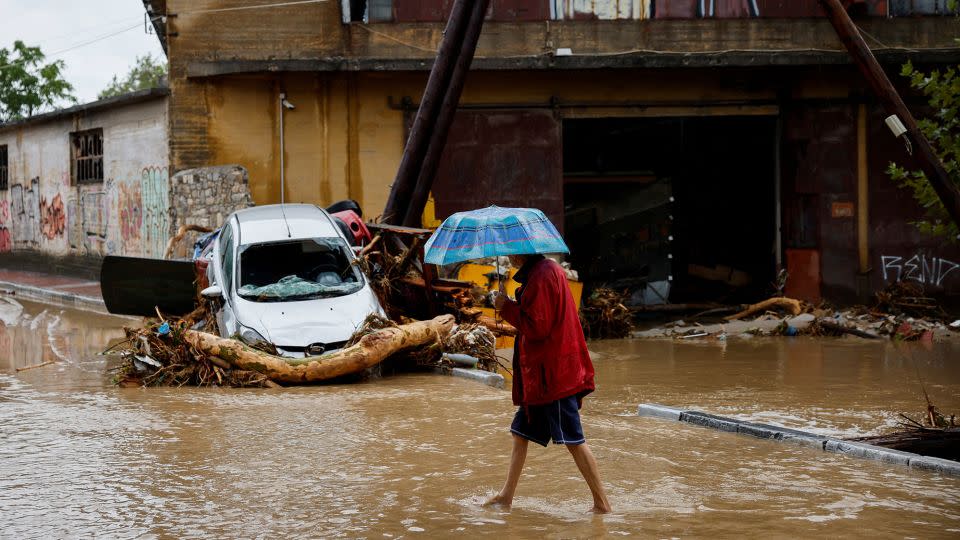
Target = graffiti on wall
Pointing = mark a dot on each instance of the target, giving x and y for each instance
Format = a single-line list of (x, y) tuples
[(131, 215), (87, 222), (6, 243), (155, 198), (53, 219), (918, 268), (24, 210)]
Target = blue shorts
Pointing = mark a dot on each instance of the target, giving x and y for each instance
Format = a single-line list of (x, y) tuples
[(558, 420)]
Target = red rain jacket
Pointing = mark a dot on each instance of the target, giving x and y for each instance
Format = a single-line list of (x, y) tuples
[(553, 358)]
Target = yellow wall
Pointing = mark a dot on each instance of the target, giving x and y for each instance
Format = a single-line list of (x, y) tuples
[(343, 140)]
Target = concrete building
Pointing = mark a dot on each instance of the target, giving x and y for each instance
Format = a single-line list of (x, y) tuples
[(87, 181), (690, 143)]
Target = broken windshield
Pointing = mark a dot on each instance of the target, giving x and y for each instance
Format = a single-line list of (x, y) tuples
[(297, 270)]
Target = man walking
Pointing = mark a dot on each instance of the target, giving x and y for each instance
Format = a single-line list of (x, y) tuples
[(552, 372)]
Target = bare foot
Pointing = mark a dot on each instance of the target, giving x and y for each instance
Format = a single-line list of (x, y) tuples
[(600, 509), (499, 501)]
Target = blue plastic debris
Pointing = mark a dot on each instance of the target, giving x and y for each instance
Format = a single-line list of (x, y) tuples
[(791, 330), (164, 329)]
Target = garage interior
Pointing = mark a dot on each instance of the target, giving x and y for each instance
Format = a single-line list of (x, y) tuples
[(676, 210)]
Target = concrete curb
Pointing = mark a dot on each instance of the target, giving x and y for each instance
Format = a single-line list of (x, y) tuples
[(66, 299), (490, 379), (803, 438)]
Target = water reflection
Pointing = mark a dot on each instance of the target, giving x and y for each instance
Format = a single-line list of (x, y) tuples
[(416, 454)]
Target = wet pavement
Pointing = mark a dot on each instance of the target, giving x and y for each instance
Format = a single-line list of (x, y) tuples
[(65, 285), (414, 455)]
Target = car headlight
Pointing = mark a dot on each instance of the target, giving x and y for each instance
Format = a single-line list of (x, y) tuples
[(251, 336)]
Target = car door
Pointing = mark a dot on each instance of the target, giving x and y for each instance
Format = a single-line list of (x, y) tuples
[(225, 264)]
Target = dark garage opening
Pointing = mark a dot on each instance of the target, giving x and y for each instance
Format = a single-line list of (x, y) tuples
[(675, 209)]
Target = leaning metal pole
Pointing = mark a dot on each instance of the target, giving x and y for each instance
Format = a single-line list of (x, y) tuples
[(926, 158), (425, 121), (438, 139)]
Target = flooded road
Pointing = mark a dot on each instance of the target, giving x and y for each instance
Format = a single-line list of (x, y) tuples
[(414, 455)]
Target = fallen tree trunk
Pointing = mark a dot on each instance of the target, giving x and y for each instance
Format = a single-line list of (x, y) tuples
[(181, 233), (369, 351), (789, 303)]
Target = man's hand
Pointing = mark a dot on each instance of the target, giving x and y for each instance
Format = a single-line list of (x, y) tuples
[(499, 299)]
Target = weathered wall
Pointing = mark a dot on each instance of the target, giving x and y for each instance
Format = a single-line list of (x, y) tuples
[(127, 214), (205, 197), (344, 139)]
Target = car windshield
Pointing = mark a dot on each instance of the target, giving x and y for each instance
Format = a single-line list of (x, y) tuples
[(297, 270)]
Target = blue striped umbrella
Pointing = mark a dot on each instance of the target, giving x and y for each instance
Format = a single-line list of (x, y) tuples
[(491, 232)]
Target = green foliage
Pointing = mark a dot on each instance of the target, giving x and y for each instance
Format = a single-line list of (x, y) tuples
[(145, 73), (28, 85), (942, 89)]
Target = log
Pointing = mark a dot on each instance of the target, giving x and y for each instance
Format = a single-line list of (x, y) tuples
[(788, 303), (181, 232), (846, 330), (501, 328), (369, 351)]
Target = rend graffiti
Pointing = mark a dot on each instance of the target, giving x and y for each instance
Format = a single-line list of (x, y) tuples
[(24, 211), (53, 220), (919, 268), (155, 198)]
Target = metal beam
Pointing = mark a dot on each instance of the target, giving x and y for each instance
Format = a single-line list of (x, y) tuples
[(926, 158), (448, 110), (424, 122)]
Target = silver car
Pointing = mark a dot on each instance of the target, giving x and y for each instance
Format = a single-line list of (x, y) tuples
[(286, 275)]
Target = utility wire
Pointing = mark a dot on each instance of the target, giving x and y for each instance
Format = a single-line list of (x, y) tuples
[(82, 44), (258, 6)]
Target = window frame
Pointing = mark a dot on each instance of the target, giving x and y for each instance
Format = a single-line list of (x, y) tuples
[(4, 167), (86, 166)]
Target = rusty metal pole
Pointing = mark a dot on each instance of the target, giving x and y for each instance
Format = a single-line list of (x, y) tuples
[(424, 122), (926, 158), (448, 110)]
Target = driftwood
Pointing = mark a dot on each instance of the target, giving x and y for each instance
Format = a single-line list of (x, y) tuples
[(789, 303), (845, 330), (942, 443), (369, 351), (35, 366), (182, 232), (500, 328)]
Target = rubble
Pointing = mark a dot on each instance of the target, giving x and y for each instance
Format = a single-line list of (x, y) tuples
[(900, 312)]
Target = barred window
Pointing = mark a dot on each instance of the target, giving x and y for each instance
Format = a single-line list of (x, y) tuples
[(4, 168), (86, 149)]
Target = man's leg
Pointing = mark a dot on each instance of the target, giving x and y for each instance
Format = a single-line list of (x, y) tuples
[(588, 468), (517, 457)]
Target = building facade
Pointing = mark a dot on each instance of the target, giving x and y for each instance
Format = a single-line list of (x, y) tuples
[(697, 144), (85, 182)]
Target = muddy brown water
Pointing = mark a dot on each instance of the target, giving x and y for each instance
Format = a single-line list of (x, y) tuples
[(414, 455)]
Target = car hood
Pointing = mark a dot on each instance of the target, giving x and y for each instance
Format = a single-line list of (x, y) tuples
[(302, 323)]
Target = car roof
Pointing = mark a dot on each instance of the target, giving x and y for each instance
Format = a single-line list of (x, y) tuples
[(267, 224)]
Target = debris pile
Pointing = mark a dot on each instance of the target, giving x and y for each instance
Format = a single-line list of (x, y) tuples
[(169, 353), (900, 312), (605, 315)]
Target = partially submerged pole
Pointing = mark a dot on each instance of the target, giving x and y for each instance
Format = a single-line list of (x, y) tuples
[(424, 122), (926, 158), (438, 138)]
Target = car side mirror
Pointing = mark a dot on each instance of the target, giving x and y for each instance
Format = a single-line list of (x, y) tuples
[(213, 291)]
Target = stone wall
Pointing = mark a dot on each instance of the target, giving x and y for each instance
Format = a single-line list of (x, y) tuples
[(205, 196)]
